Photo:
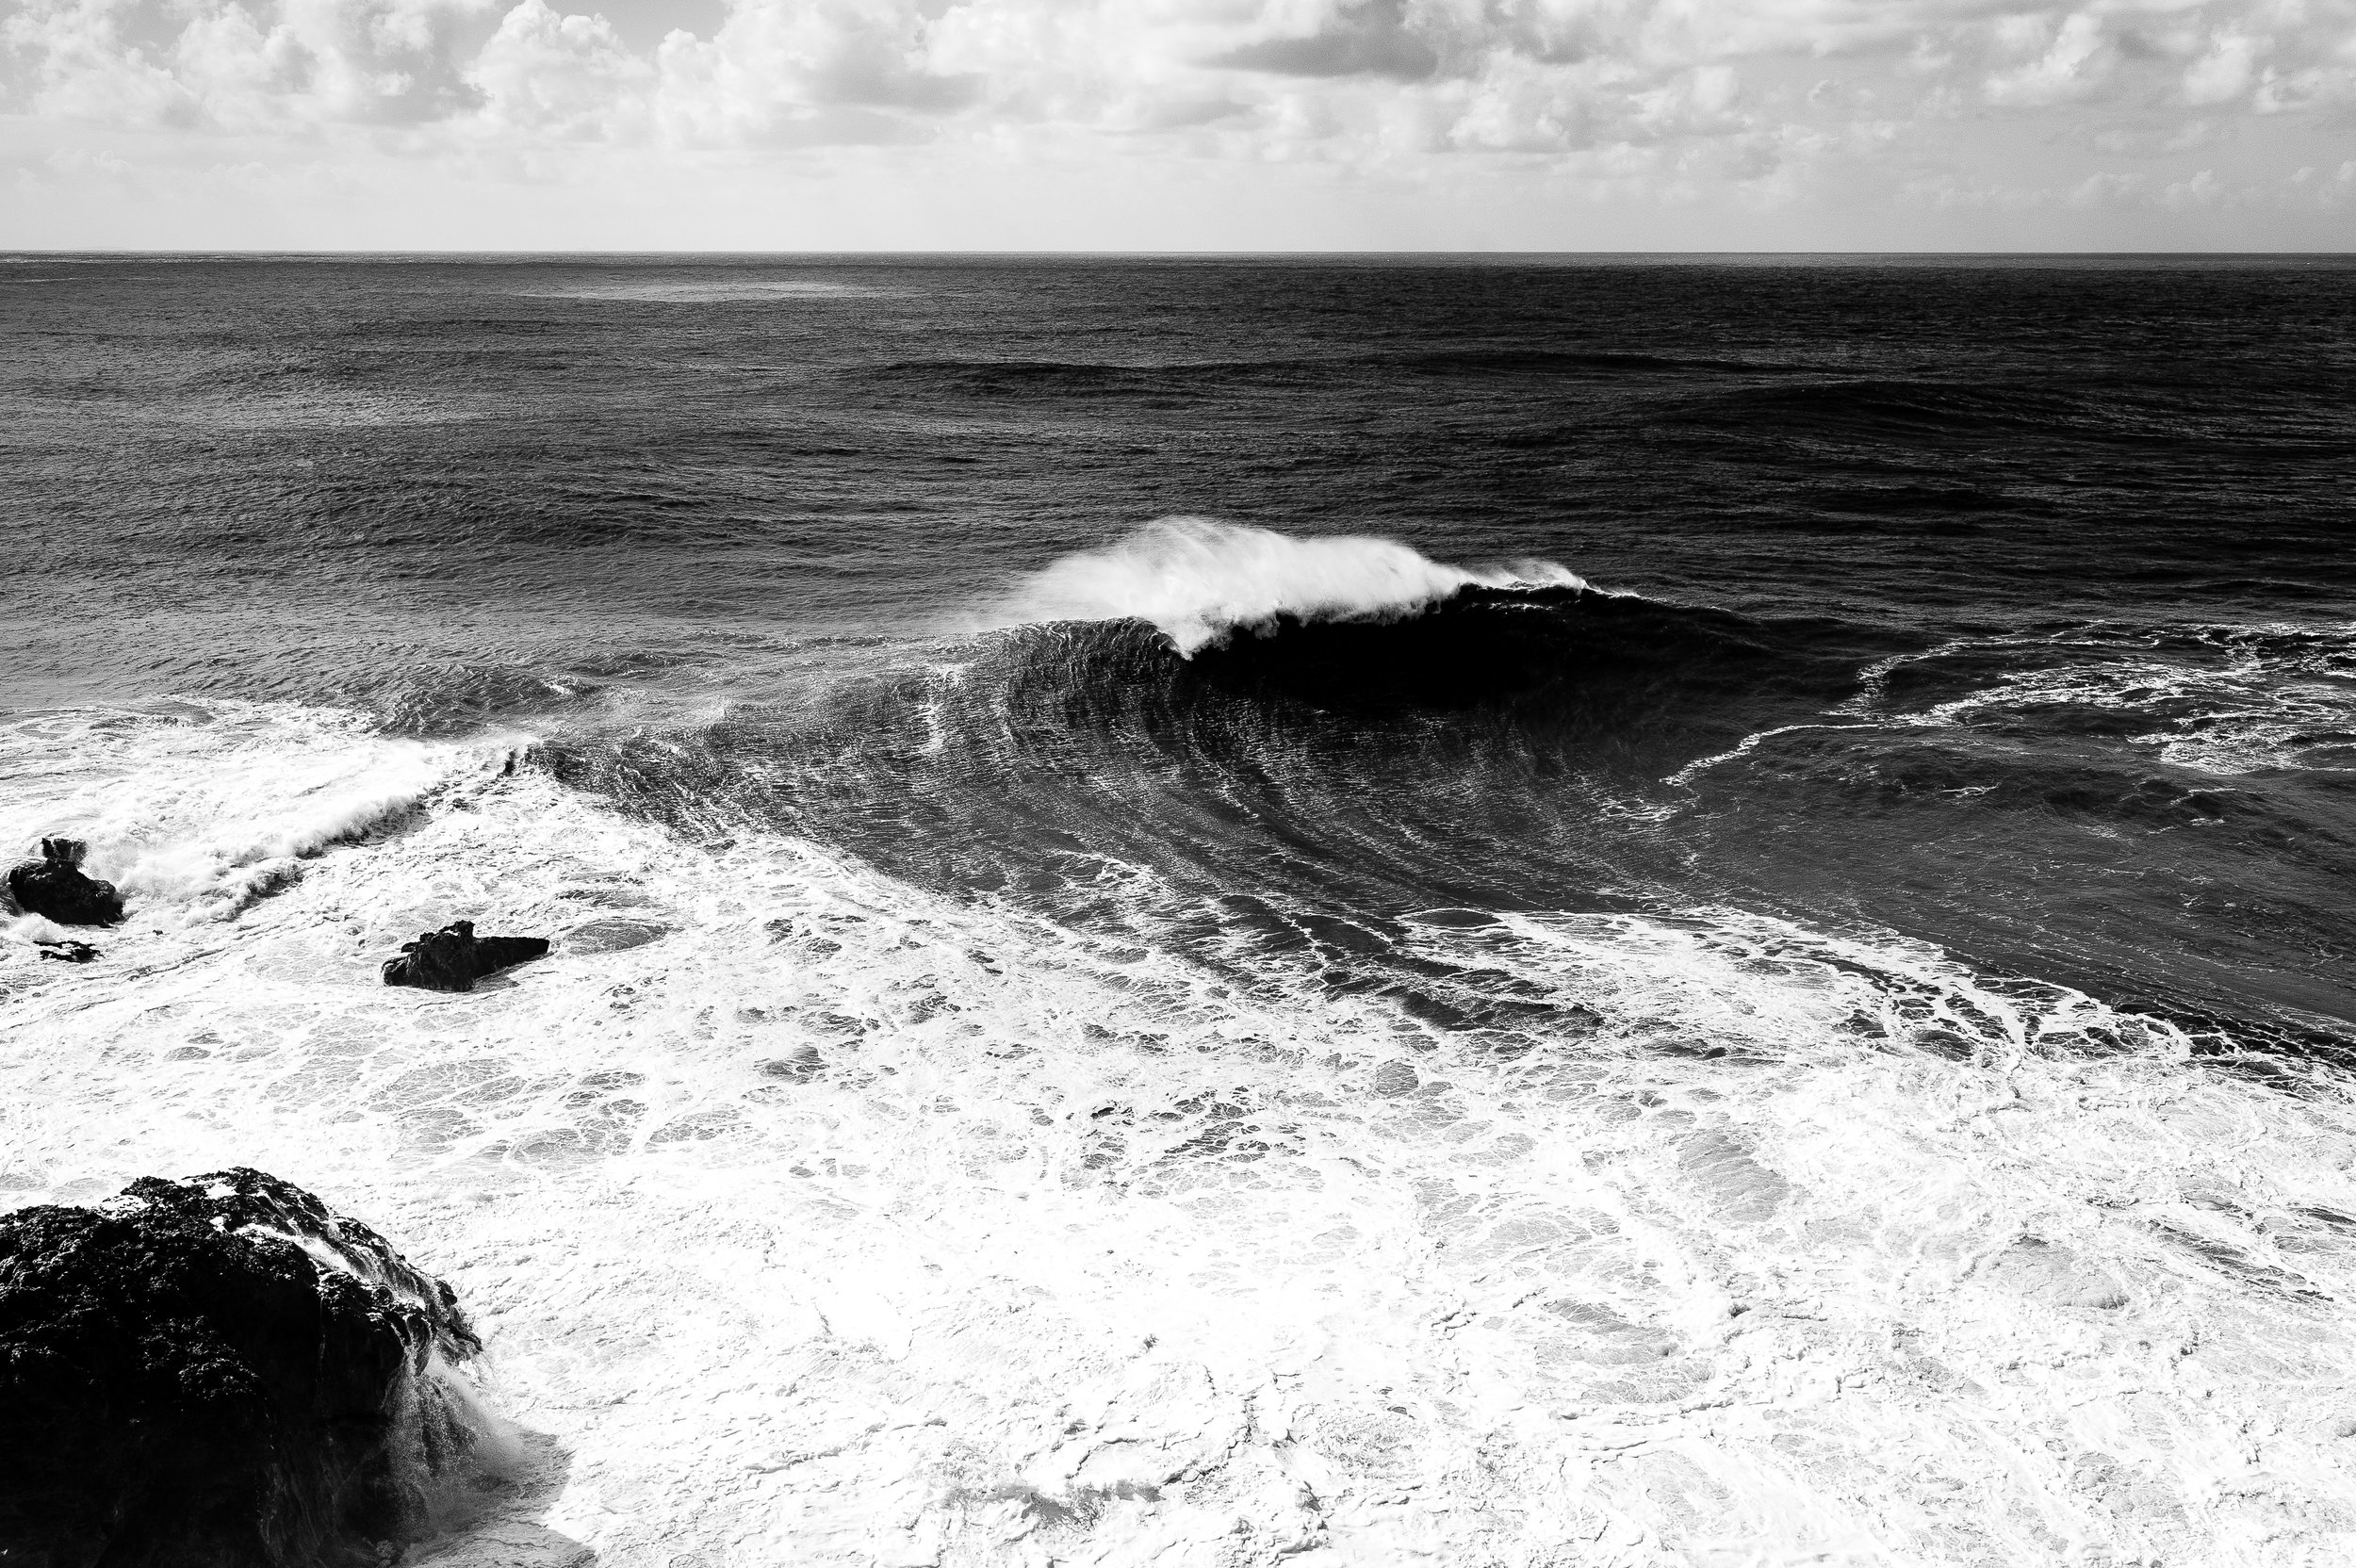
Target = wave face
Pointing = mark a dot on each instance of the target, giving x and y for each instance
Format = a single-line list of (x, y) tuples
[(1290, 792), (1680, 905)]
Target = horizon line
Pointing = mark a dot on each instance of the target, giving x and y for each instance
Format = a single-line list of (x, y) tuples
[(1146, 255)]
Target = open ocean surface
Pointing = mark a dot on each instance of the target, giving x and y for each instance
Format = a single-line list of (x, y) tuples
[(1345, 911)]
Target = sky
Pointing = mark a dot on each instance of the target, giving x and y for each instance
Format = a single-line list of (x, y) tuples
[(1179, 124)]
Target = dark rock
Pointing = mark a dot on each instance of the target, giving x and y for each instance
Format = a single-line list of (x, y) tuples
[(71, 952), (453, 958), (56, 887), (221, 1373)]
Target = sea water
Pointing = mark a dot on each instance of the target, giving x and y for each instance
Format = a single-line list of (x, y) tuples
[(1214, 912)]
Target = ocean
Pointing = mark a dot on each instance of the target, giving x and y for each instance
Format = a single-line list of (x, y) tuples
[(1489, 910)]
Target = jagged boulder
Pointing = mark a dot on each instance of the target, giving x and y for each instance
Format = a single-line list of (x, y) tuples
[(222, 1373), (453, 958), (55, 886)]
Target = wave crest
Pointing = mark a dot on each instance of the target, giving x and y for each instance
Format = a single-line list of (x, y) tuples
[(1200, 580)]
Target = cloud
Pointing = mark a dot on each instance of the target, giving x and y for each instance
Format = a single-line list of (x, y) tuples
[(1477, 75), (1665, 100), (566, 77), (1371, 37), (2224, 72), (214, 64), (87, 66), (805, 72), (2073, 66)]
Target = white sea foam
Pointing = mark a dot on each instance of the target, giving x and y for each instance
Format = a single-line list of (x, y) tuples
[(1200, 580), (1746, 746), (841, 1224), (198, 813), (2219, 699), (2245, 718)]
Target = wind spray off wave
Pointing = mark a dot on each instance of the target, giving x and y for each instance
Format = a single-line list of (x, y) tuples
[(1201, 580)]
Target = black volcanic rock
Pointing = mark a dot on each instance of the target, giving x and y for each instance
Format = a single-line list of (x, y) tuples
[(220, 1373), (453, 958), (56, 887)]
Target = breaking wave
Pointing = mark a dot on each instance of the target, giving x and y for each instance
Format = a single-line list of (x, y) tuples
[(1200, 581), (198, 810)]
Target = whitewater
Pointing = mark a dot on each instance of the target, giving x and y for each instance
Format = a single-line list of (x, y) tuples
[(1200, 581), (813, 1216)]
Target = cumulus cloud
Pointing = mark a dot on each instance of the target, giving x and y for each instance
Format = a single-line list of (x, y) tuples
[(569, 76), (2072, 65), (2224, 72), (218, 64), (1371, 37), (805, 72)]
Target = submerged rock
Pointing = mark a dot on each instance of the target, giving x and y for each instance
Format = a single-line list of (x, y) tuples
[(221, 1373), (54, 886), (71, 952), (453, 958)]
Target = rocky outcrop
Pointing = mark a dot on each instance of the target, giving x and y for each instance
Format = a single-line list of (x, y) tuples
[(453, 958), (221, 1373), (68, 952), (54, 886)]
